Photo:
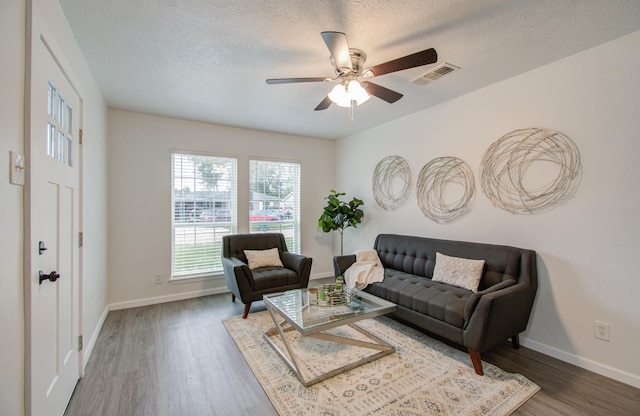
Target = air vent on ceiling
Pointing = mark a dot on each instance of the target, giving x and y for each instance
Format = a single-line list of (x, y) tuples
[(435, 74)]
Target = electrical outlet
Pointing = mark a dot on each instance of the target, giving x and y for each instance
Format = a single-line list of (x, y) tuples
[(601, 330), (158, 279)]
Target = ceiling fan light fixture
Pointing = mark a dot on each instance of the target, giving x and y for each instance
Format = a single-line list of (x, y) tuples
[(339, 96), (343, 96), (356, 92)]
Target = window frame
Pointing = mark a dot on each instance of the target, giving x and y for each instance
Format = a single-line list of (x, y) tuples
[(180, 218), (293, 238)]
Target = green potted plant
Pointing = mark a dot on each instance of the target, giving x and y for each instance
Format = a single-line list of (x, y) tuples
[(338, 215)]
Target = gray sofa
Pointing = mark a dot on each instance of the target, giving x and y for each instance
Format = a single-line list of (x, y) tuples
[(478, 321)]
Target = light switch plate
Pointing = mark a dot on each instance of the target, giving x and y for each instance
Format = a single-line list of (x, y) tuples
[(17, 168)]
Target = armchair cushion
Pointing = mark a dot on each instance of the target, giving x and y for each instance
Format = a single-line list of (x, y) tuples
[(263, 258), (266, 278)]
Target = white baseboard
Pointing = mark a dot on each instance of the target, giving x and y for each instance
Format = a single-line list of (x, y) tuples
[(87, 348), (186, 295), (167, 298), (604, 370)]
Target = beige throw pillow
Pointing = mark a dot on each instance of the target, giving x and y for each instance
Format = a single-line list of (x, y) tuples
[(263, 258), (458, 272)]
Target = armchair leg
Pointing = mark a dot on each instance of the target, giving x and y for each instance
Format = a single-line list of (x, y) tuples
[(247, 306), (515, 341), (233, 297), (477, 362)]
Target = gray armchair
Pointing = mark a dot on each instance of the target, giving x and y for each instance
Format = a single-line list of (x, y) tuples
[(249, 285)]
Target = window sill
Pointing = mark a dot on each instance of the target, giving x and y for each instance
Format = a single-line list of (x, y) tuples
[(196, 278)]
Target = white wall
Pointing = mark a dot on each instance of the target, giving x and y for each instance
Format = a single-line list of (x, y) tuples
[(11, 220), (140, 198), (12, 74), (588, 248)]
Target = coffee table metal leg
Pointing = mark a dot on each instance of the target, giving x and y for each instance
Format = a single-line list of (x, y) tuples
[(292, 361)]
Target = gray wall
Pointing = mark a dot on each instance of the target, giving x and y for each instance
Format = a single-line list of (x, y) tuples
[(140, 198), (588, 248)]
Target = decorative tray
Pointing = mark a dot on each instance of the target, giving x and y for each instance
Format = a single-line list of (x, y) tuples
[(329, 295)]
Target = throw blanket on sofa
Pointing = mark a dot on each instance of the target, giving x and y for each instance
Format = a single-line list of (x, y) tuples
[(367, 269)]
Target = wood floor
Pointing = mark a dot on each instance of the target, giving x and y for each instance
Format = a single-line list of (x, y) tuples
[(178, 359)]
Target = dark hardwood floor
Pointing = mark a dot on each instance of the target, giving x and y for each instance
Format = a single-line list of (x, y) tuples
[(178, 359)]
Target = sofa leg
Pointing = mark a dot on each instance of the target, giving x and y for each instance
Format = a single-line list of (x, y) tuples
[(233, 297), (515, 341), (477, 362), (247, 306)]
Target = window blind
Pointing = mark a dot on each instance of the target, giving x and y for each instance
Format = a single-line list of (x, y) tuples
[(274, 199), (204, 199)]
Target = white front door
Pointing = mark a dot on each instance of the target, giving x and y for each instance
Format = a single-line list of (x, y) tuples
[(52, 357)]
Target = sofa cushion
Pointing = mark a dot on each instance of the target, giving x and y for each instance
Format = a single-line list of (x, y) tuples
[(438, 300), (457, 271)]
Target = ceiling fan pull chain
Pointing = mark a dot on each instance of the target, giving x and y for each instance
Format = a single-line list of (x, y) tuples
[(351, 111)]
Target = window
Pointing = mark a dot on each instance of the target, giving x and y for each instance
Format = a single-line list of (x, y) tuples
[(59, 127), (204, 210), (274, 199)]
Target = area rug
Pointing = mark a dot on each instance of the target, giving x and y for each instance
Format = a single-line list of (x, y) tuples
[(423, 377)]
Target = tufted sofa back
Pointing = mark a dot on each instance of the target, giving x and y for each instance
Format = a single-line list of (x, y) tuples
[(417, 255)]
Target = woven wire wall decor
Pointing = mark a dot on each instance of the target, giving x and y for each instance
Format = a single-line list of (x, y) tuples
[(391, 182), (507, 161), (434, 190)]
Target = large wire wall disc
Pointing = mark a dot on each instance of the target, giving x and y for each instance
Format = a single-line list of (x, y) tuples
[(530, 171)]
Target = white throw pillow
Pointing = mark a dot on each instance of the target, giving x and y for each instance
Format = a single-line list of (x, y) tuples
[(458, 272), (263, 258)]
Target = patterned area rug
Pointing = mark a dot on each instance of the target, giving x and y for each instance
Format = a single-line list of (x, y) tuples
[(423, 377)]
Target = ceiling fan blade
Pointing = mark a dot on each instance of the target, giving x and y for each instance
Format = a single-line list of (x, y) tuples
[(426, 57), (324, 104), (381, 92), (339, 48), (292, 80)]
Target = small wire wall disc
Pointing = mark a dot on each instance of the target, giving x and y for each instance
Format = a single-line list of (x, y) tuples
[(391, 182), (531, 171), (445, 189)]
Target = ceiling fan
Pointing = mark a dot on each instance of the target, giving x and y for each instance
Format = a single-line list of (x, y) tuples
[(349, 68)]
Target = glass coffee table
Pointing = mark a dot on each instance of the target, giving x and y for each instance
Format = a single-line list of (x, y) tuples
[(291, 310)]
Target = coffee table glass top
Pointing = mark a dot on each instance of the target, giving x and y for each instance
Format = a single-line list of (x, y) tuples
[(294, 306)]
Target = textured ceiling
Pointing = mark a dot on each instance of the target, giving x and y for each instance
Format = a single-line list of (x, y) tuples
[(208, 60)]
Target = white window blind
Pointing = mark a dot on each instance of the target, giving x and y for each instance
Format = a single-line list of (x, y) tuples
[(204, 210), (274, 199)]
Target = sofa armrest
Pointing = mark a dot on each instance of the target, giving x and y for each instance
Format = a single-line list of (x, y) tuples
[(342, 263), (473, 300), (299, 263), (238, 277), (500, 313)]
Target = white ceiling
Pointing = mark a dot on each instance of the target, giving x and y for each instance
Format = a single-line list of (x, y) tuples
[(207, 60)]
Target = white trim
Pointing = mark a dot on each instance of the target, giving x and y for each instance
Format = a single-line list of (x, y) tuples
[(587, 364), (167, 298), (88, 346), (196, 279), (186, 295)]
